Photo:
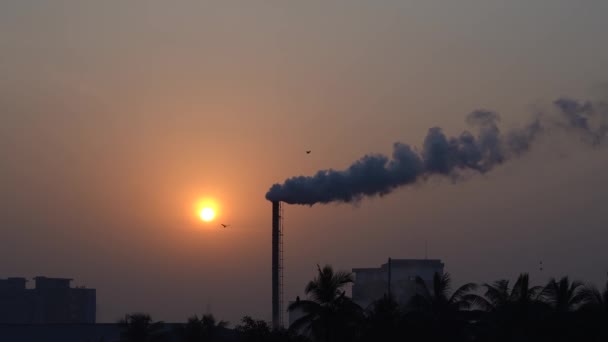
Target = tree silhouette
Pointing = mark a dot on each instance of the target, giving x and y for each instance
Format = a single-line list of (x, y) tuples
[(329, 315), (383, 321), (437, 298), (499, 296), (201, 329), (252, 330), (514, 313), (437, 313), (139, 327), (563, 295), (563, 310), (594, 300), (594, 313)]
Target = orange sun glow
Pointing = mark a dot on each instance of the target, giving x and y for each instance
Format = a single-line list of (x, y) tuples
[(207, 214)]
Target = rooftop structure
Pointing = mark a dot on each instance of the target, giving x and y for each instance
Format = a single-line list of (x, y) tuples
[(52, 300), (43, 283)]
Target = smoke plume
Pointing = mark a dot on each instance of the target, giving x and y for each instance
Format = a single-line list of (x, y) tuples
[(376, 174)]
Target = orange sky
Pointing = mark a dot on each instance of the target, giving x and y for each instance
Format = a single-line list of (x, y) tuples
[(116, 118)]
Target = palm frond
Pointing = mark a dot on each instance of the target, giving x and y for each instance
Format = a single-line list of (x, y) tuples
[(468, 301), (343, 278), (481, 303), (312, 287), (461, 292), (422, 288), (497, 294), (574, 295), (441, 285), (307, 306), (521, 289), (592, 298)]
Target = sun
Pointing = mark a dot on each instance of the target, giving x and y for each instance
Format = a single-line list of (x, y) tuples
[(206, 209), (207, 214)]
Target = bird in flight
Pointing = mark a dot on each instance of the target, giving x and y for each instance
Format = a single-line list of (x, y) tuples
[(308, 152), (225, 225)]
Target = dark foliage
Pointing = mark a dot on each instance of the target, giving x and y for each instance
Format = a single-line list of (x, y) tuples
[(252, 330), (201, 329), (384, 321), (329, 315), (436, 313), (562, 310), (140, 327)]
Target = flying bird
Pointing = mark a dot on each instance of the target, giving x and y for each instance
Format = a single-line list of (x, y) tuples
[(225, 225), (308, 152)]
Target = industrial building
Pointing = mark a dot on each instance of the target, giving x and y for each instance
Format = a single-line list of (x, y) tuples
[(372, 284), (51, 301), (397, 276)]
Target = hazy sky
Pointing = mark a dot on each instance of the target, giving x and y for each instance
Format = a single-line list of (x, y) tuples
[(117, 116)]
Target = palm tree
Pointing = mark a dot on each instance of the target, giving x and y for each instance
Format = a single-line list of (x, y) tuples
[(437, 299), (140, 327), (560, 322), (563, 296), (498, 296), (595, 312), (329, 313), (438, 314), (383, 321), (201, 329), (514, 312), (594, 300)]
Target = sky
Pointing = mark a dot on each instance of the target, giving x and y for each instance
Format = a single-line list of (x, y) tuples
[(117, 117)]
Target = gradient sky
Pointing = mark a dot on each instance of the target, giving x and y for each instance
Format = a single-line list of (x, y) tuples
[(116, 117)]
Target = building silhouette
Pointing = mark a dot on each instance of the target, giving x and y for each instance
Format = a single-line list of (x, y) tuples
[(372, 284), (51, 301)]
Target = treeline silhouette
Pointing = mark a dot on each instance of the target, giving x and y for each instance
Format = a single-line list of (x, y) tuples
[(561, 310)]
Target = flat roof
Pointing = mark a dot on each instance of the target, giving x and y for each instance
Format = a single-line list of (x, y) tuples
[(50, 278), (399, 262)]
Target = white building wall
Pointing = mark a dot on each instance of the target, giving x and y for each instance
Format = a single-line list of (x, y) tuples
[(371, 284)]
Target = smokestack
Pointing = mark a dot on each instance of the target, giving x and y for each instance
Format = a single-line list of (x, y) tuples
[(276, 266), (379, 175), (389, 278)]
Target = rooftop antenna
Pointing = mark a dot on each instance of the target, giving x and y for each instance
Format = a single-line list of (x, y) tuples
[(426, 256)]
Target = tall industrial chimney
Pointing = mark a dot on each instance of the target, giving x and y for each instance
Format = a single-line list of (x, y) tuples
[(276, 264)]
